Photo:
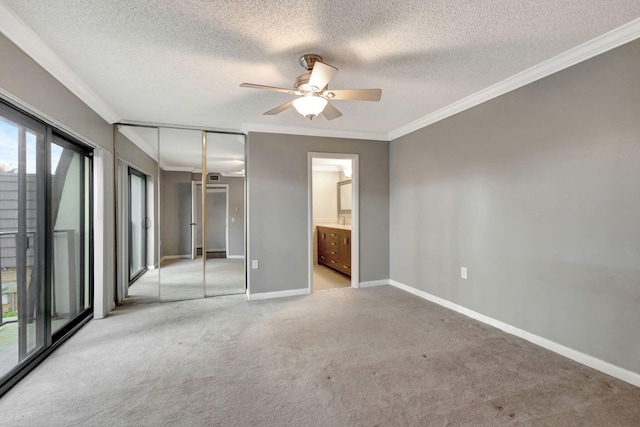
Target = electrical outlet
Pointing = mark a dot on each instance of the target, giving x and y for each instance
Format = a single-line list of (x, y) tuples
[(254, 264), (463, 272)]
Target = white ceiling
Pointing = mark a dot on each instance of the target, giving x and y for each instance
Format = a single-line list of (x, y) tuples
[(181, 62)]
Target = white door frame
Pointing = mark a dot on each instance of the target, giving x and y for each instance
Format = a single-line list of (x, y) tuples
[(355, 215), (194, 196), (194, 227), (226, 213)]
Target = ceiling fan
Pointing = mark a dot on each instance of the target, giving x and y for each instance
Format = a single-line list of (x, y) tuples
[(313, 91)]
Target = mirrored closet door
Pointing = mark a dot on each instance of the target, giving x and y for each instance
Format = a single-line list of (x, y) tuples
[(181, 251), (195, 213), (137, 213), (224, 213)]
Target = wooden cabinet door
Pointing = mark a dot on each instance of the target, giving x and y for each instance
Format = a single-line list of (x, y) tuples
[(322, 239), (345, 252)]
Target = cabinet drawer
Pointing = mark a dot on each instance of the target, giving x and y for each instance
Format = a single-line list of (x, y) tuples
[(331, 256), (328, 257), (344, 268)]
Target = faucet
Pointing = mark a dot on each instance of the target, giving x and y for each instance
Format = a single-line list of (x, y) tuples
[(342, 220)]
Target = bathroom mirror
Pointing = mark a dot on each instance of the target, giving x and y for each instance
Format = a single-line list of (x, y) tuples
[(344, 197)]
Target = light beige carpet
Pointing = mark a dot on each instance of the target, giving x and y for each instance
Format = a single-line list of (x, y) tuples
[(183, 279), (349, 357)]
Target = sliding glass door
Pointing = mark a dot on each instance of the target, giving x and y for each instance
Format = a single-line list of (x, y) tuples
[(70, 217), (137, 224), (45, 240), (22, 234)]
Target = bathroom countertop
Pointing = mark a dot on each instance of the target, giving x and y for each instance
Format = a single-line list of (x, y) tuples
[(340, 226)]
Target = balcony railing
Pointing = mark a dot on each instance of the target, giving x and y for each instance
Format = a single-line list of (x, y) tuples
[(22, 258)]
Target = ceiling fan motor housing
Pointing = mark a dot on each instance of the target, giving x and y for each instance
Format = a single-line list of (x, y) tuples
[(302, 84), (307, 61)]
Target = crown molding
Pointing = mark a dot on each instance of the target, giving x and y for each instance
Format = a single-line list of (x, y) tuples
[(209, 129), (580, 53), (326, 133), (22, 36), (139, 141), (168, 168)]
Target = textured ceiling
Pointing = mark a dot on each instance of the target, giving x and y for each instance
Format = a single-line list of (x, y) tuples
[(181, 62)]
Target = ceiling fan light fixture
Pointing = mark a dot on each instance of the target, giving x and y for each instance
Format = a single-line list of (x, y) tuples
[(310, 105), (313, 91)]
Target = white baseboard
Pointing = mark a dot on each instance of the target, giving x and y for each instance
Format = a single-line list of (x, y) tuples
[(235, 256), (278, 294), (585, 359), (372, 283)]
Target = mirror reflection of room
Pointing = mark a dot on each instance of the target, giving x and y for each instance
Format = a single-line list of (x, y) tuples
[(201, 257), (332, 196), (137, 207), (166, 226)]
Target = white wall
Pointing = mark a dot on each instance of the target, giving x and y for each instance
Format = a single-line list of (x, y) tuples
[(325, 197)]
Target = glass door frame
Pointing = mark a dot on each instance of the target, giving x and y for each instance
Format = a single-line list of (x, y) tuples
[(68, 143), (25, 123), (132, 278)]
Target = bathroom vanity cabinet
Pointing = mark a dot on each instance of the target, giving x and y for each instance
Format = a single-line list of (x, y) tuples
[(334, 248)]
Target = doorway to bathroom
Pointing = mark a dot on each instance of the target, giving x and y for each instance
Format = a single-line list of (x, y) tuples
[(333, 221)]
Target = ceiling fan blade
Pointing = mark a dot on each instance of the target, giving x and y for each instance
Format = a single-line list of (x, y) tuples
[(279, 109), (357, 94), (272, 88), (321, 75), (331, 112)]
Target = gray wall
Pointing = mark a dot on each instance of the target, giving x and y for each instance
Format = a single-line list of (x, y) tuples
[(25, 79), (175, 213), (537, 193), (277, 174), (130, 152)]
